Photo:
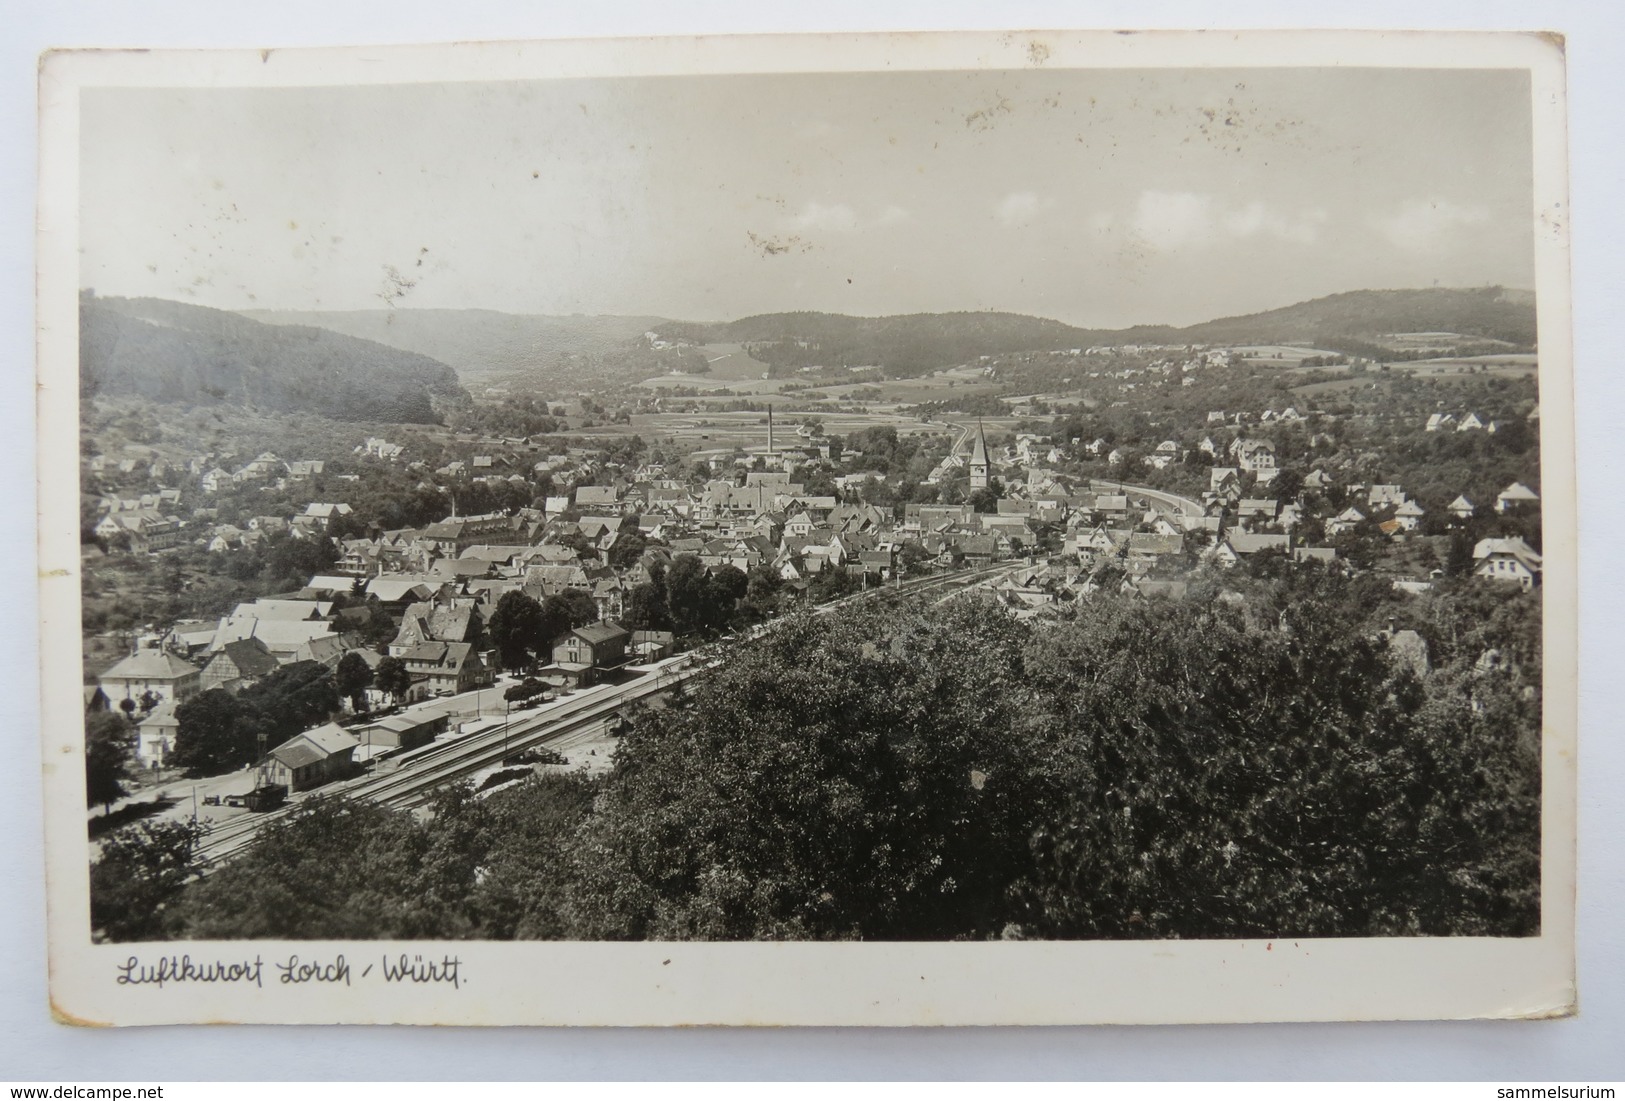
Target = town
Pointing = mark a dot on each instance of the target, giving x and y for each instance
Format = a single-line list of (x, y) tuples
[(381, 611)]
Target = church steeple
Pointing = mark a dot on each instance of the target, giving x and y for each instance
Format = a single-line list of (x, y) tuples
[(978, 460)]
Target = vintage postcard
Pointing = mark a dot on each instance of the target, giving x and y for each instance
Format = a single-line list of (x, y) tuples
[(1036, 528)]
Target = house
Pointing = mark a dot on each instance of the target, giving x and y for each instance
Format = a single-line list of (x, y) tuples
[(1235, 545), (453, 536), (308, 760), (1384, 495), (155, 735), (238, 664), (1253, 455), (1470, 423), (96, 699), (408, 730), (1439, 420), (159, 672), (580, 655), (1261, 508), (1515, 497), (320, 515), (1409, 514), (1510, 560), (1344, 521), (1461, 508), (396, 593), (1148, 547), (1314, 554), (283, 637), (1317, 480), (1224, 481), (650, 646), (328, 650), (589, 497), (445, 669)]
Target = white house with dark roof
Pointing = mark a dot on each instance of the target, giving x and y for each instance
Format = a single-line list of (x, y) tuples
[(1409, 514), (157, 671), (1515, 496), (1511, 560)]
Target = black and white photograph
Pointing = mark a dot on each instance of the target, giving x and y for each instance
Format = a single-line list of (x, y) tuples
[(846, 500)]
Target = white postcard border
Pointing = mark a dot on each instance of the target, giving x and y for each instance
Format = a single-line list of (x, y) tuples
[(847, 984)]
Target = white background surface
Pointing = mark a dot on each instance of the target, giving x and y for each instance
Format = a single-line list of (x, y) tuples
[(32, 1047)]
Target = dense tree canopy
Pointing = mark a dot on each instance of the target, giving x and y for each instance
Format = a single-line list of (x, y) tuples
[(1264, 757), (516, 629)]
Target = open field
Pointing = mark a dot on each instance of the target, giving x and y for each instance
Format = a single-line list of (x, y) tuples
[(1505, 366), (1290, 354), (712, 430), (736, 374), (731, 366)]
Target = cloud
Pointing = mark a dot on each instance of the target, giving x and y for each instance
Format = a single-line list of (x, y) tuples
[(841, 218), (1020, 207), (837, 217), (1255, 218), (1167, 221), (1422, 224)]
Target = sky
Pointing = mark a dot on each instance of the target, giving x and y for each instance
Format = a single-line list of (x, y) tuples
[(1098, 197)]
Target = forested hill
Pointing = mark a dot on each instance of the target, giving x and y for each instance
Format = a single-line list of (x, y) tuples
[(1491, 313), (912, 343), (178, 353), (486, 346), (905, 344)]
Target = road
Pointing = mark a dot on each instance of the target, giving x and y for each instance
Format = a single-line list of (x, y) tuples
[(1182, 506)]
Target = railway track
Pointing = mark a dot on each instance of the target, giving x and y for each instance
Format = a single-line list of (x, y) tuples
[(560, 727)]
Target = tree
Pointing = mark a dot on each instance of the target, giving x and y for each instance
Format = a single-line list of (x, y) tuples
[(687, 595), (352, 678), (863, 776), (626, 550), (332, 869), (913, 559), (109, 747), (726, 586), (516, 629), (563, 612), (392, 677), (216, 733), (1459, 560), (1212, 791), (293, 698), (1288, 485), (137, 875), (646, 608)]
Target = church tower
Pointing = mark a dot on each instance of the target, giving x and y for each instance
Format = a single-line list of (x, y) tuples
[(978, 460)]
